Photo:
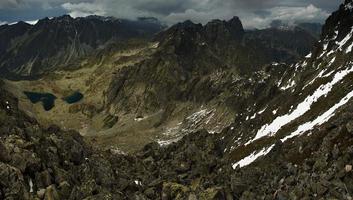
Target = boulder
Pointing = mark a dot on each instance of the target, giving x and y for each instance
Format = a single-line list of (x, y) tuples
[(41, 193), (349, 127), (4, 154), (212, 194), (65, 189), (12, 183), (348, 168), (51, 193)]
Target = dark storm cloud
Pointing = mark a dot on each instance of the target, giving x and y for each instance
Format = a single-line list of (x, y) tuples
[(254, 13), (162, 7)]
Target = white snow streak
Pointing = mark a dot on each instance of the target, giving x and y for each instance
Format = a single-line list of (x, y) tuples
[(349, 48), (345, 40), (251, 158), (290, 85), (30, 182)]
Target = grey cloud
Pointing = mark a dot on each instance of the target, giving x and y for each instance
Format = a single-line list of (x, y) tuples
[(254, 13), (10, 4)]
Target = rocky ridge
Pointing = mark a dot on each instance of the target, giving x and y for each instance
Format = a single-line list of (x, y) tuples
[(61, 41)]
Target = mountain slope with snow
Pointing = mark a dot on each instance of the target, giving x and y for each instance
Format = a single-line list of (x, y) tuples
[(313, 92)]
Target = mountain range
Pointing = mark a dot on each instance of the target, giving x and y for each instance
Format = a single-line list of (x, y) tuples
[(189, 111)]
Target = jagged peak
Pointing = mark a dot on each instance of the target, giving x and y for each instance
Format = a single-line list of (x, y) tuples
[(63, 18), (186, 24), (236, 22)]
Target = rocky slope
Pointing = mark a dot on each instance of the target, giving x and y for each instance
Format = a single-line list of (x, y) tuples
[(30, 50)]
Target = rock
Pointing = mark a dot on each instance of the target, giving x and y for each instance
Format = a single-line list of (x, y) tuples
[(182, 167), (65, 189), (282, 196), (335, 152), (41, 193), (4, 154), (175, 191), (149, 193), (320, 189), (51, 193), (238, 185), (60, 175), (192, 196), (348, 168), (212, 194), (45, 178), (53, 129), (149, 160), (349, 127), (320, 164), (102, 170), (12, 183), (77, 154)]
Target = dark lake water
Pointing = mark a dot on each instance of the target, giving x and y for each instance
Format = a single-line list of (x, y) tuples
[(74, 98), (47, 99)]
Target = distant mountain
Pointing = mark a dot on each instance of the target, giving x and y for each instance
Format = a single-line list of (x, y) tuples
[(313, 28), (29, 50)]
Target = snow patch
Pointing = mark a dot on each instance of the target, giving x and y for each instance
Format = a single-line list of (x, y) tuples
[(254, 116), (33, 22), (30, 182), (251, 158), (348, 6), (332, 61), (261, 111), (349, 48), (345, 40), (7, 105), (137, 182), (290, 85), (155, 45), (274, 111)]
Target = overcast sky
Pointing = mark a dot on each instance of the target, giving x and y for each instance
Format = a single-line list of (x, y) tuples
[(253, 13)]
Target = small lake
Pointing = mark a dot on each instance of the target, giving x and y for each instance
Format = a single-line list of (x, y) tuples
[(47, 99), (73, 98)]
